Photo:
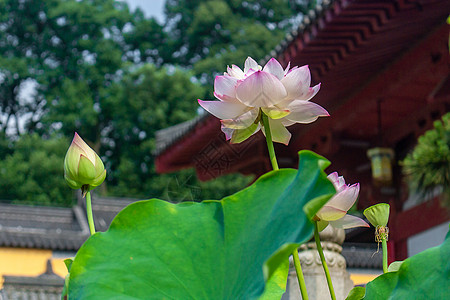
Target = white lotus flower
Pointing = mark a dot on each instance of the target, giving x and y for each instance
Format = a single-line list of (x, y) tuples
[(334, 212), (282, 94)]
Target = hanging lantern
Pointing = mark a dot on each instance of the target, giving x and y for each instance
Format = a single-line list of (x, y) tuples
[(381, 159)]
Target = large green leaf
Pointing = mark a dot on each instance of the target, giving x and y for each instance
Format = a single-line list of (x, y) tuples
[(423, 276), (210, 250)]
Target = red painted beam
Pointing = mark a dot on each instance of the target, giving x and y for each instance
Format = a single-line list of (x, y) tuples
[(387, 84), (413, 221), (417, 219)]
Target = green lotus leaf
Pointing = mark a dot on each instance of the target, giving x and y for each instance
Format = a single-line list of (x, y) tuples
[(227, 249), (357, 293), (395, 266), (425, 275)]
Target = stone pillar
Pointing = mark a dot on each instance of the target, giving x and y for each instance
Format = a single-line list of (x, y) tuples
[(316, 282)]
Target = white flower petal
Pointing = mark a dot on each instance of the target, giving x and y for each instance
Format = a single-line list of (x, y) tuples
[(250, 63), (235, 71), (334, 178), (329, 213), (297, 82), (341, 182), (312, 91), (228, 132), (279, 133), (287, 69), (243, 121), (261, 89), (224, 110), (225, 87), (338, 181), (345, 199), (286, 122), (349, 221), (305, 111), (273, 67)]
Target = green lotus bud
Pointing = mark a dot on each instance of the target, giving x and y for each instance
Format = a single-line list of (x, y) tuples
[(378, 214), (83, 168)]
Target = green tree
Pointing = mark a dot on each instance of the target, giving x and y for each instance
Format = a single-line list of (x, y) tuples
[(86, 61), (211, 34), (428, 166), (32, 172), (55, 43)]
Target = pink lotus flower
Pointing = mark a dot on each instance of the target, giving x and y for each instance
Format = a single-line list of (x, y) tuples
[(334, 212), (282, 94)]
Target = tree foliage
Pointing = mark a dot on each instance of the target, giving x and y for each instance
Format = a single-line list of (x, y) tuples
[(428, 166), (32, 171), (54, 43), (211, 34), (116, 77)]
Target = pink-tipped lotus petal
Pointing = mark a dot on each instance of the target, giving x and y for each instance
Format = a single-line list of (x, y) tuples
[(334, 178), (225, 98), (84, 148), (305, 111), (338, 181), (228, 132), (275, 113), (243, 121), (312, 91), (309, 93), (279, 133), (235, 71), (273, 67), (348, 221), (260, 89), (297, 82), (345, 199), (225, 87), (250, 63), (329, 213), (224, 110)]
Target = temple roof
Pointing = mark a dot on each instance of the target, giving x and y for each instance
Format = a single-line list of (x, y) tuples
[(384, 71), (47, 286), (54, 228)]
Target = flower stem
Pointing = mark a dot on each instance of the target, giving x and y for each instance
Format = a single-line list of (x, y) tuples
[(272, 157), (324, 263), (273, 160), (301, 279), (385, 255), (89, 213)]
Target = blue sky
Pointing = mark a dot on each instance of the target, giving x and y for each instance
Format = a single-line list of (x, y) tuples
[(150, 7)]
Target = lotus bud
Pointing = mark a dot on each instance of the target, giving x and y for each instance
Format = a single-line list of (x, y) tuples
[(83, 168)]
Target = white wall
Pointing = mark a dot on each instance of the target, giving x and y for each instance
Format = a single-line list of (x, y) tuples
[(427, 239)]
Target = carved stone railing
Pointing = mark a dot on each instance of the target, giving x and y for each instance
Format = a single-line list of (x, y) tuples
[(316, 284)]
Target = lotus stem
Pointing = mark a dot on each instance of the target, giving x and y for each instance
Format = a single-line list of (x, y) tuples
[(272, 157), (273, 160), (89, 213), (301, 279), (324, 263), (385, 255)]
